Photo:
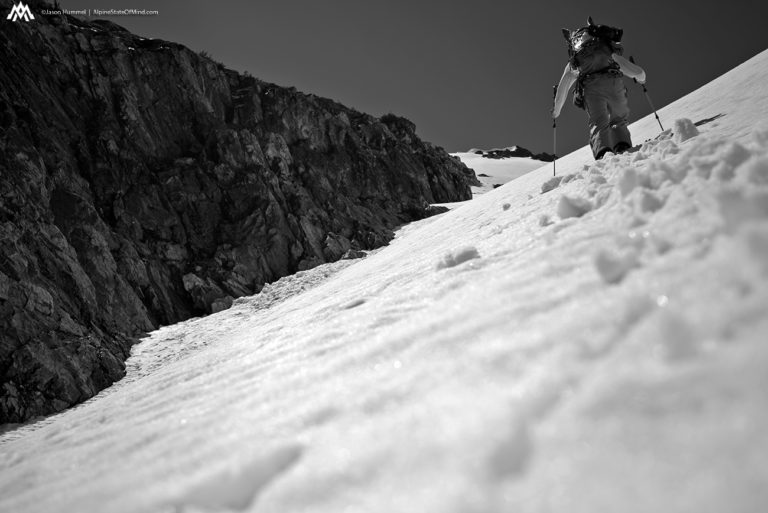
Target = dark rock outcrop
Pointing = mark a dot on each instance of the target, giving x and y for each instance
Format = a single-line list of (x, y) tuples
[(142, 184), (514, 151)]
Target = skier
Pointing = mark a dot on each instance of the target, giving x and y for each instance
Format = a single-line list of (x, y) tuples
[(596, 66)]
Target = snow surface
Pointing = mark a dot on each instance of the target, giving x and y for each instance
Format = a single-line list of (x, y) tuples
[(495, 172), (601, 346)]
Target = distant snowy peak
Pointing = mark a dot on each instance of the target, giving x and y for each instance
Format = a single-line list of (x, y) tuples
[(498, 166), (512, 151)]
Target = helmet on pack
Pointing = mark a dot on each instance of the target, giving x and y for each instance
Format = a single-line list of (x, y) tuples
[(579, 39), (585, 36)]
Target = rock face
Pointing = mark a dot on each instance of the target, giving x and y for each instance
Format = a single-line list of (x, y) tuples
[(513, 151), (142, 184)]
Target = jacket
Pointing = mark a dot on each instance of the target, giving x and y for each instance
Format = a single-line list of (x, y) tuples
[(571, 75)]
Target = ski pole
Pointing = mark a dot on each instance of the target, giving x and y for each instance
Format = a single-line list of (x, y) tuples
[(554, 132), (647, 97)]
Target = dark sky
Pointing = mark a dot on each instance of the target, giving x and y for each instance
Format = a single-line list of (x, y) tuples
[(469, 74)]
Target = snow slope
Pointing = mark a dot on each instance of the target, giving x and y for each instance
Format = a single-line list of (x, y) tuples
[(494, 172), (598, 347)]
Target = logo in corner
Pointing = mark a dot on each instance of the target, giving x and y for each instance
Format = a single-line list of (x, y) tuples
[(20, 11)]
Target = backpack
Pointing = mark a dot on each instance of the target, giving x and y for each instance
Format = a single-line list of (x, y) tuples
[(587, 50)]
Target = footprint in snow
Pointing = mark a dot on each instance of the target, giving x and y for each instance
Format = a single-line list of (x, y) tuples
[(236, 487), (613, 266), (353, 304), (513, 451)]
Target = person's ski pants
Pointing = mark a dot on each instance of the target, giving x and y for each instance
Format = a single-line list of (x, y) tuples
[(605, 100)]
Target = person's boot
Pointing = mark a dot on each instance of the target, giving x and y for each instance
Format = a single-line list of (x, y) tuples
[(600, 154), (621, 147)]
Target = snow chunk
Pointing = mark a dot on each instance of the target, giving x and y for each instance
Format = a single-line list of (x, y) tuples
[(573, 206), (684, 130), (760, 135), (614, 266), (573, 176), (718, 159), (730, 158), (648, 202), (666, 148), (754, 171), (628, 180), (642, 239), (756, 239), (660, 171), (597, 178), (458, 256), (551, 184), (602, 195), (738, 208), (675, 338)]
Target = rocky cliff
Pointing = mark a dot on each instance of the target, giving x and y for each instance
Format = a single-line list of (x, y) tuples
[(513, 151), (142, 184)]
